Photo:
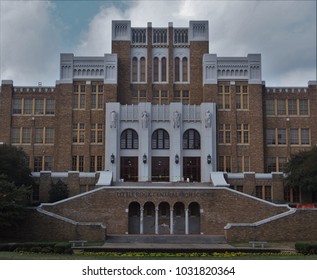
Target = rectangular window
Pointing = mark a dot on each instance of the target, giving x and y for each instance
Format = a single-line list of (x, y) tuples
[(305, 136), (39, 106), (270, 136), (48, 163), (303, 106), (17, 106), (78, 163), (243, 163), (270, 165), (242, 98), (224, 135), (294, 136), (78, 133), (15, 135), (96, 163), (267, 193), (96, 133), (26, 135), (138, 96), (38, 164), (50, 107), (92, 164), (49, 135), (28, 106), (292, 107), (269, 107), (182, 96), (282, 164), (224, 98), (39, 135), (224, 163), (258, 192), (281, 136), (281, 107), (79, 97), (243, 134)]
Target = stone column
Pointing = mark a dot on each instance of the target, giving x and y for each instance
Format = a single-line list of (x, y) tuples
[(186, 221), (156, 220), (171, 220), (141, 219)]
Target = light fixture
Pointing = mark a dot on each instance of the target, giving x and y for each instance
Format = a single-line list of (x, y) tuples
[(176, 158), (144, 158), (209, 159), (112, 158)]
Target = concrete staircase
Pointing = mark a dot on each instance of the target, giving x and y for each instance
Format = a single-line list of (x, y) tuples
[(167, 239)]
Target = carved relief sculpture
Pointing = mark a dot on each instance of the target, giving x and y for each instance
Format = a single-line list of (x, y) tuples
[(176, 119), (208, 119), (145, 119), (113, 119)]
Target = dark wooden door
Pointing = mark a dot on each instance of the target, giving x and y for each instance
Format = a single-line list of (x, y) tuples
[(160, 169), (191, 169), (129, 168)]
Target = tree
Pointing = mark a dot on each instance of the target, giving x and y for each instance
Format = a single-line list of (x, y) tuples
[(302, 170), (58, 191), (13, 165), (13, 200), (15, 185)]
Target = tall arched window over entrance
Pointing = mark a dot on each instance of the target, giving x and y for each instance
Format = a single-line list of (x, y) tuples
[(191, 139), (155, 69), (134, 69), (129, 139), (160, 139), (142, 69)]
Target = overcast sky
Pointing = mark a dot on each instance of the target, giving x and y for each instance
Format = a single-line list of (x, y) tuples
[(34, 33)]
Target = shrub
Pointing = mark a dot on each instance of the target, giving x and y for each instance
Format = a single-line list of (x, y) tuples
[(63, 248), (35, 249), (306, 248), (47, 250)]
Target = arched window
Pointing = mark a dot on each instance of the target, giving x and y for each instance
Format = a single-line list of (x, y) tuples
[(177, 78), (191, 139), (185, 70), (142, 69), (155, 69), (160, 139), (164, 69), (129, 139)]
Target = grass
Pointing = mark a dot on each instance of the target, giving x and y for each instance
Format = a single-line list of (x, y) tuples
[(155, 256)]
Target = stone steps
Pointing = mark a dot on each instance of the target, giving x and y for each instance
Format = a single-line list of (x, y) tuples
[(167, 239)]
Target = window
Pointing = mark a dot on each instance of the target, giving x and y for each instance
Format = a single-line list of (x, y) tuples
[(160, 97), (224, 163), (78, 133), (263, 192), (143, 70), (79, 97), (275, 164), (96, 133), (38, 164), (50, 107), (160, 139), (305, 136), (181, 96), (191, 139), (156, 69), (242, 98), (258, 192), (269, 107), (281, 107), (282, 164), (270, 136), (38, 135), (185, 69), (163, 74), (270, 165), (97, 97), (281, 136), (43, 163), (243, 133), (15, 135), (96, 163), (224, 135), (28, 106), (26, 135), (78, 163), (303, 106), (129, 139), (224, 98), (49, 135), (294, 136), (17, 106), (177, 74), (138, 96), (292, 107), (134, 69), (243, 164), (39, 106)]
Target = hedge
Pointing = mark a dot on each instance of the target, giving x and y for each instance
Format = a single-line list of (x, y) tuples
[(38, 247), (306, 248)]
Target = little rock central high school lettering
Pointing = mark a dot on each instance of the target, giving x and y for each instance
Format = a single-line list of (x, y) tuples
[(163, 194)]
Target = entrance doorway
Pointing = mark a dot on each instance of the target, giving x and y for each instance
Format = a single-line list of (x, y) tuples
[(129, 169), (134, 218), (160, 169), (191, 168)]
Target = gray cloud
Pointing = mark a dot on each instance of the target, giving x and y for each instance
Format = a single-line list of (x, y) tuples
[(284, 32)]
